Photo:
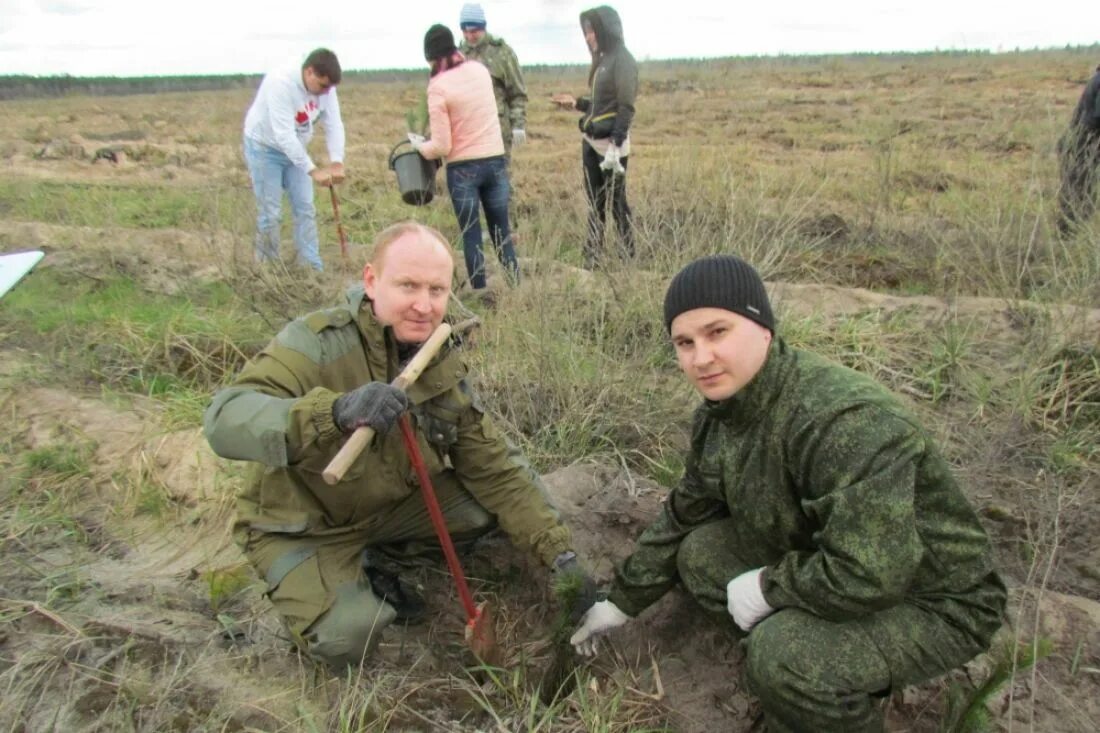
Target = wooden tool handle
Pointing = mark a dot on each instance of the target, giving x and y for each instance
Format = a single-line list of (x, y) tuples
[(342, 461), (339, 226)]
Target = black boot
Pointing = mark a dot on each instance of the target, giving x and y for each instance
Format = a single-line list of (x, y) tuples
[(408, 604)]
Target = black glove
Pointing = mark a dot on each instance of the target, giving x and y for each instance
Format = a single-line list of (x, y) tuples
[(375, 404), (581, 588)]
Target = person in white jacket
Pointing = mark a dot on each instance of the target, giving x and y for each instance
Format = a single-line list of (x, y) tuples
[(289, 104)]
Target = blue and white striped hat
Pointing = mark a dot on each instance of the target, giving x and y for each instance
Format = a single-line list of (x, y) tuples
[(472, 16)]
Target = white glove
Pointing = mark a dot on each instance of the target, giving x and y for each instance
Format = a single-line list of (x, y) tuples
[(519, 136), (745, 599), (417, 140), (611, 159), (597, 621)]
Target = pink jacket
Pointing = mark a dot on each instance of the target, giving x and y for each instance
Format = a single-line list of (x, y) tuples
[(463, 114)]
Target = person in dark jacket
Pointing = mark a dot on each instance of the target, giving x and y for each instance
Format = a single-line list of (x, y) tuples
[(815, 518), (608, 114), (330, 555), (1079, 151)]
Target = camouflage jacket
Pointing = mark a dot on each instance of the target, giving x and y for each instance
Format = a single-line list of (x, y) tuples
[(823, 469), (278, 413), (508, 86)]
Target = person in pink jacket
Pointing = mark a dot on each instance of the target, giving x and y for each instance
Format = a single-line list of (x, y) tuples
[(465, 131)]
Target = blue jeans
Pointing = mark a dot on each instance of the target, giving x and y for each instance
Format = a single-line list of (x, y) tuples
[(272, 172), (483, 181)]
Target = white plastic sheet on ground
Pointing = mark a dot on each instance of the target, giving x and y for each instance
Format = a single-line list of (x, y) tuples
[(14, 266)]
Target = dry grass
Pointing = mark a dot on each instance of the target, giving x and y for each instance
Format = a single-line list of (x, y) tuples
[(907, 175)]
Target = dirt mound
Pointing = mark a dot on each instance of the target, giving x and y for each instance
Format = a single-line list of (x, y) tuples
[(159, 260), (164, 260), (1002, 319)]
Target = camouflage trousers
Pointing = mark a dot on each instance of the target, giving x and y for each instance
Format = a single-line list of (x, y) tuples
[(317, 582), (513, 209), (816, 675)]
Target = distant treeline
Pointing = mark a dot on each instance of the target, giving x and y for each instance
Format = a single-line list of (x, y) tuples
[(30, 87), (36, 87)]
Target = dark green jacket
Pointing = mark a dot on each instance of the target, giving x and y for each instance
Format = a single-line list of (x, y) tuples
[(1081, 141), (1086, 115), (826, 472), (613, 79), (511, 93), (278, 413)]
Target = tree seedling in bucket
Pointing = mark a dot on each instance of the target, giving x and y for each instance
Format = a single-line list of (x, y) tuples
[(416, 119), (415, 174)]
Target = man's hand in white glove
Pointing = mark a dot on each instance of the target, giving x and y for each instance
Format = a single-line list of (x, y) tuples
[(611, 159), (416, 140), (601, 618), (519, 136), (745, 600)]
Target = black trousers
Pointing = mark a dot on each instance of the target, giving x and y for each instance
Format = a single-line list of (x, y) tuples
[(599, 187)]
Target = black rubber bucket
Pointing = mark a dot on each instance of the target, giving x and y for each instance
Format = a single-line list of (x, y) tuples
[(415, 174)]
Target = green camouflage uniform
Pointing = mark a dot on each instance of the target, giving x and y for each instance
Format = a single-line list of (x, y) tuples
[(877, 565), (508, 86), (511, 94), (306, 538)]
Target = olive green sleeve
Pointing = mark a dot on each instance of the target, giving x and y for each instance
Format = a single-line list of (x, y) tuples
[(857, 475), (515, 91), (274, 412), (495, 472)]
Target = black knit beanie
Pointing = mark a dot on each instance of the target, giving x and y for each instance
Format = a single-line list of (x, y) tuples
[(719, 281), (439, 42)]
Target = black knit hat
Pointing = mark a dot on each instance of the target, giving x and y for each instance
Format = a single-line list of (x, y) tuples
[(719, 281), (439, 42)]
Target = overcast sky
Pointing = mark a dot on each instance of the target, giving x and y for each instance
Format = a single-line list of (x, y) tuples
[(143, 37)]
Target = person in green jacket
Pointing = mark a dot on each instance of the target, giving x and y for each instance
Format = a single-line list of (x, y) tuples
[(508, 88), (330, 554), (815, 518), (500, 59)]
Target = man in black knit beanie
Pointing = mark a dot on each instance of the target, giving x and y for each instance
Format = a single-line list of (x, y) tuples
[(816, 520)]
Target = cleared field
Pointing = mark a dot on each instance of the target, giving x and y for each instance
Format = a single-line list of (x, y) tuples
[(900, 207)]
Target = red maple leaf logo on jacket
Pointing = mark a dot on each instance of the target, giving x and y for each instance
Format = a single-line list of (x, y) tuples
[(302, 116)]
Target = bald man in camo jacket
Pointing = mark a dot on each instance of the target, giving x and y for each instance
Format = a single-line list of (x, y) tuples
[(816, 519), (331, 556)]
